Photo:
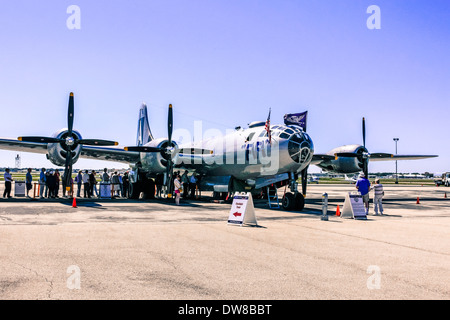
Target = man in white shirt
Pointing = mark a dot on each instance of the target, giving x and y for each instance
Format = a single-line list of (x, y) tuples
[(86, 184), (8, 180), (378, 197)]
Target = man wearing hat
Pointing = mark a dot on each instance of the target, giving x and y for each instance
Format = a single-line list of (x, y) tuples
[(363, 186)]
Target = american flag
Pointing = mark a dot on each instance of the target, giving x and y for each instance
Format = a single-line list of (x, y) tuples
[(267, 127)]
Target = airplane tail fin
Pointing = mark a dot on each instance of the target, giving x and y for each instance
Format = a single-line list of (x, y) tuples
[(144, 134)]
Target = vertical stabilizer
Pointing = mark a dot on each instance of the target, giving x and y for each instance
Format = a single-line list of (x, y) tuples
[(144, 134)]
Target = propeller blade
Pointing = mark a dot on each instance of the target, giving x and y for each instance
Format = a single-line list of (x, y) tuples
[(40, 139), (70, 114), (97, 142), (144, 149), (366, 168), (170, 125), (364, 131), (169, 180)]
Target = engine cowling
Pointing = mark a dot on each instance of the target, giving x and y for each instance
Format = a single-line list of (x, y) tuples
[(57, 152), (156, 162), (346, 164)]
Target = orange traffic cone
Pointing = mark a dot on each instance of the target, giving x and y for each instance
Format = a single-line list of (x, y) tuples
[(74, 203), (338, 212), (418, 202)]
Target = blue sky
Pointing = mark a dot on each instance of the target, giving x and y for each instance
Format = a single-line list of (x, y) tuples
[(226, 63)]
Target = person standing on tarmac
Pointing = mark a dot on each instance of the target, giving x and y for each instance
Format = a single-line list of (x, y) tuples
[(125, 184), (79, 181), (8, 181), (42, 181), (193, 185), (86, 184), (29, 181), (363, 186), (93, 184), (378, 197), (178, 185), (185, 180)]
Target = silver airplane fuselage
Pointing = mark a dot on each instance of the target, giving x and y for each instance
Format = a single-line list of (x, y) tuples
[(245, 153)]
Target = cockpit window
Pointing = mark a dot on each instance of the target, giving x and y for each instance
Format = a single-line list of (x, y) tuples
[(250, 136), (289, 131)]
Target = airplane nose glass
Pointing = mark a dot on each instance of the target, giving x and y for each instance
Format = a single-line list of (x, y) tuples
[(299, 148)]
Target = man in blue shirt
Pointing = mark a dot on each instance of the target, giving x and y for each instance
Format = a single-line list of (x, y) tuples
[(29, 181), (42, 180), (363, 186)]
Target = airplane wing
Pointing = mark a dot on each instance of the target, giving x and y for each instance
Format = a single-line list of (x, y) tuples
[(117, 154), (16, 145), (390, 157)]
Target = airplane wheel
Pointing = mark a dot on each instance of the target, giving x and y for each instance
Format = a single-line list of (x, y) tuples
[(300, 202), (288, 203), (149, 189), (134, 191)]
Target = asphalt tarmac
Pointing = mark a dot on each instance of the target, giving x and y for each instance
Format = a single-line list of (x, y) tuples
[(123, 249)]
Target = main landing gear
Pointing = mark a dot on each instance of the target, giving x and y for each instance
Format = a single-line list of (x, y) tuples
[(294, 200)]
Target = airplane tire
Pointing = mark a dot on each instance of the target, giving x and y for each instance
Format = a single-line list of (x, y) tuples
[(134, 191), (300, 202), (149, 189), (288, 202)]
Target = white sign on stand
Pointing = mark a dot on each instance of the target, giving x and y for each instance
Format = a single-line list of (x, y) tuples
[(105, 190), (242, 210), (354, 206), (19, 189)]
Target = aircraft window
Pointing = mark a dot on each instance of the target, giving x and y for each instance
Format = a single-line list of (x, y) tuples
[(289, 131), (263, 134), (284, 135), (250, 136)]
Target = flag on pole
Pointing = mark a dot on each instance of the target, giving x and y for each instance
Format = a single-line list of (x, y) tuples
[(267, 127), (298, 119)]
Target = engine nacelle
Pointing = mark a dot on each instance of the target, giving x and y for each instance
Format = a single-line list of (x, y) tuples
[(346, 164), (156, 162), (57, 152)]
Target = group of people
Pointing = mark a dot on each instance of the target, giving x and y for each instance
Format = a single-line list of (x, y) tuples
[(184, 185), (364, 187), (88, 181), (50, 181)]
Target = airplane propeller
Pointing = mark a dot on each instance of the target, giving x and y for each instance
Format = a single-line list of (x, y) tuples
[(70, 142), (364, 155), (168, 150)]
